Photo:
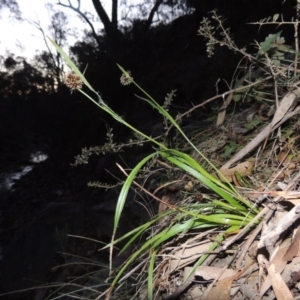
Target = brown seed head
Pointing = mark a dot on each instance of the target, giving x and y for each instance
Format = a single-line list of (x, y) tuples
[(73, 82), (126, 78)]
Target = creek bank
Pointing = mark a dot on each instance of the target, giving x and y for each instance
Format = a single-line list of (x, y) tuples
[(49, 202)]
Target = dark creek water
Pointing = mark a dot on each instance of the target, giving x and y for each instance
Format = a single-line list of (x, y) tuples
[(8, 179)]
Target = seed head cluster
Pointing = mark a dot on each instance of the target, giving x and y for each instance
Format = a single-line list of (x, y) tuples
[(73, 82), (126, 78)]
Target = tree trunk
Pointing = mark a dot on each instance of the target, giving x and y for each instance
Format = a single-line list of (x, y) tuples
[(113, 35), (102, 15), (152, 12), (114, 14)]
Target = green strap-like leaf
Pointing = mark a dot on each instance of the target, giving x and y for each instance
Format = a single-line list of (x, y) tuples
[(72, 66)]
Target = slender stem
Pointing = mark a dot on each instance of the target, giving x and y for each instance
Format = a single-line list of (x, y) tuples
[(104, 107)]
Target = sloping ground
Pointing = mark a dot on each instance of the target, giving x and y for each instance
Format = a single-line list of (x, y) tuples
[(262, 262), (257, 260), (225, 229), (245, 249)]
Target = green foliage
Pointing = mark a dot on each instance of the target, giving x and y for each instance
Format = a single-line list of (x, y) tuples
[(230, 149), (266, 45)]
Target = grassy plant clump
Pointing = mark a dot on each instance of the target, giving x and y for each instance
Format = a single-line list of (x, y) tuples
[(207, 217), (210, 210)]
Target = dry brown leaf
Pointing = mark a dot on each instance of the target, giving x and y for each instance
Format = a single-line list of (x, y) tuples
[(273, 234), (250, 117), (277, 175), (222, 113), (186, 255), (287, 160), (242, 169), (271, 111), (283, 107), (294, 278), (278, 261), (288, 173), (221, 290), (284, 158), (189, 186), (290, 270), (211, 273), (280, 288), (291, 196), (284, 194), (293, 249), (163, 206), (291, 273), (248, 291)]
